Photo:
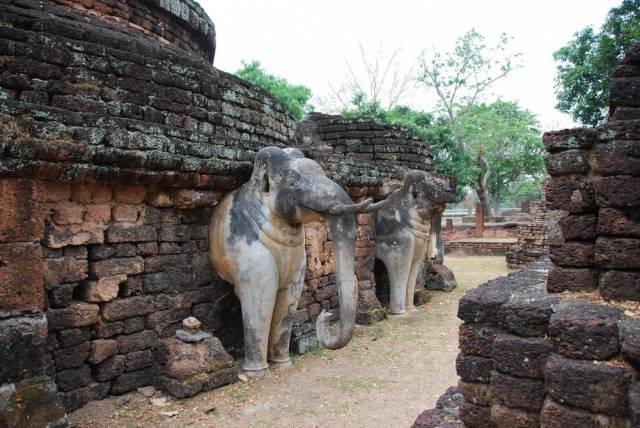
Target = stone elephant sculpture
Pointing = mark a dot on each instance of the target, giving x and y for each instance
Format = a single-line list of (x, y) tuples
[(257, 244), (404, 233)]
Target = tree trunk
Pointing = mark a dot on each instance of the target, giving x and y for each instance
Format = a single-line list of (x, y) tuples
[(483, 190)]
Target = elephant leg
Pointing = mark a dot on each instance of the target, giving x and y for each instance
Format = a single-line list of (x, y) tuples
[(416, 264), (257, 293), (282, 322), (398, 267)]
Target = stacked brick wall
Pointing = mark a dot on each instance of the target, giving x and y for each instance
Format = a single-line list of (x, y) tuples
[(593, 192), (26, 368), (364, 139), (532, 238), (529, 358), (182, 23), (480, 247)]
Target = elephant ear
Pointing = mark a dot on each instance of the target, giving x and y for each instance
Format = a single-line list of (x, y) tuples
[(260, 177), (412, 181)]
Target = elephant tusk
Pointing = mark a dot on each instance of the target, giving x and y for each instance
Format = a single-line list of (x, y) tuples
[(375, 207), (350, 209)]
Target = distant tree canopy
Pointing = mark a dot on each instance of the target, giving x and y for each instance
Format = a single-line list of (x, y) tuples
[(295, 97), (586, 63)]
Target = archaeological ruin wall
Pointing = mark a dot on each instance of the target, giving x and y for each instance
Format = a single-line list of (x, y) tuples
[(117, 137), (562, 349), (532, 238)]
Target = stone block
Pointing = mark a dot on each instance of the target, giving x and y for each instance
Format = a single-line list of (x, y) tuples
[(476, 339), (618, 191), (567, 162), (595, 386), (138, 360), (569, 139), (21, 211), (519, 392), (620, 285), (475, 416), (23, 350), (155, 282), (573, 254), (617, 158), (130, 381), (570, 193), (124, 213), (555, 415), (527, 316), (619, 222), (137, 341), (633, 401), (503, 416), (101, 349), (630, 350), (90, 193), (476, 393), (106, 329), (78, 314), (472, 368), (73, 378), (130, 233), (75, 356), (580, 227), (133, 325), (77, 398), (188, 368), (562, 279), (117, 266), (103, 290), (64, 269), (73, 336), (617, 253), (21, 276), (110, 368), (585, 331), (189, 199), (65, 213), (521, 356), (129, 194), (481, 305)]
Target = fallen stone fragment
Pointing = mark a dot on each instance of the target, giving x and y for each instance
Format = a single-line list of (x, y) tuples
[(147, 391)]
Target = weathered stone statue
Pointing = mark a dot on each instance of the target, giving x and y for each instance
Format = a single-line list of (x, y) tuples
[(257, 244), (404, 233)]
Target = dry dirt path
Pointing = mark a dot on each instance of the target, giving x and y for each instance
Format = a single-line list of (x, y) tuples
[(385, 377)]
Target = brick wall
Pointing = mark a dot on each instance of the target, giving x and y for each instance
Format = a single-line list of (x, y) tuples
[(594, 197), (532, 238)]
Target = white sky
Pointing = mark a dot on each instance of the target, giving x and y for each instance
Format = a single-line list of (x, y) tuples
[(306, 42)]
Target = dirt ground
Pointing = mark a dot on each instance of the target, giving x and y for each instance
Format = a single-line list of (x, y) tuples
[(389, 373)]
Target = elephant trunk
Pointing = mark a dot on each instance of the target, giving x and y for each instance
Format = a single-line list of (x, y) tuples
[(343, 233)]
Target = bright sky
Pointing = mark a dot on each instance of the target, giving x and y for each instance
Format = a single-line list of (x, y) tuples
[(307, 42)]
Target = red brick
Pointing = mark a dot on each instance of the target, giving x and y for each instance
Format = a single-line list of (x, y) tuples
[(65, 269), (68, 213), (129, 194), (21, 210), (125, 213), (21, 279)]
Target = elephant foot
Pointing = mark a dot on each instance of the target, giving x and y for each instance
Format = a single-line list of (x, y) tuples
[(252, 369), (412, 309), (255, 373), (283, 364), (396, 314)]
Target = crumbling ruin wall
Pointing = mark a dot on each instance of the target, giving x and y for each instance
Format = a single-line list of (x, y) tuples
[(532, 238), (117, 139), (564, 352)]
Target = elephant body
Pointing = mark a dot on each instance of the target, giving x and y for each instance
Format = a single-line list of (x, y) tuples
[(405, 233), (257, 244)]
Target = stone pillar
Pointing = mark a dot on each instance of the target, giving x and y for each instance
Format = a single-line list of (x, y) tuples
[(28, 395), (479, 221)]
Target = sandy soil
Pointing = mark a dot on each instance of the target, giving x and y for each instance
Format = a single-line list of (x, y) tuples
[(387, 375)]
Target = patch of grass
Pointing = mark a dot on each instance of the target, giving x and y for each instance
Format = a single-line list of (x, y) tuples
[(241, 395)]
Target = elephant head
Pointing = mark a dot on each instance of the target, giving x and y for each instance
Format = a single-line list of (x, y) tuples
[(296, 190), (426, 193)]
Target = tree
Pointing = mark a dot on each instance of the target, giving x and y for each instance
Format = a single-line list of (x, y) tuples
[(585, 65), (460, 78), (378, 78), (294, 97), (507, 139)]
